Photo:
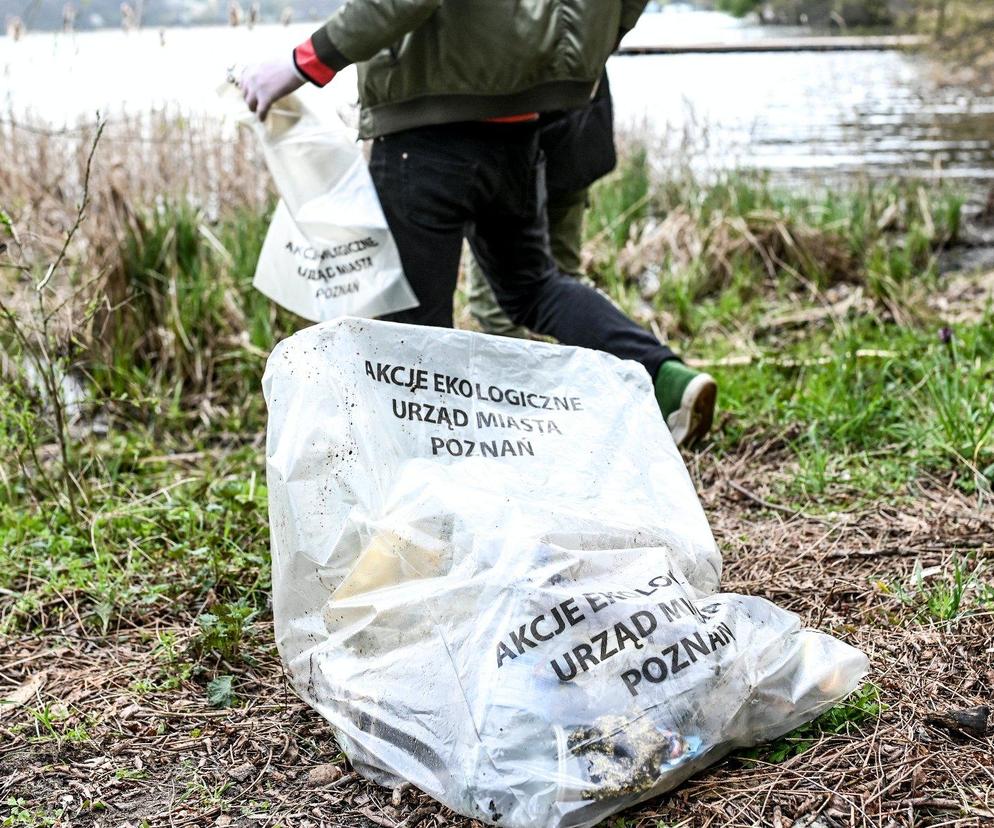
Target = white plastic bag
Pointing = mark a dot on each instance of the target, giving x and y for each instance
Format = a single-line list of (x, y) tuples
[(492, 575), (328, 252)]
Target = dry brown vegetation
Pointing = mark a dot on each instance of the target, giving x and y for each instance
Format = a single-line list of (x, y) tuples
[(719, 245), (143, 162), (157, 162)]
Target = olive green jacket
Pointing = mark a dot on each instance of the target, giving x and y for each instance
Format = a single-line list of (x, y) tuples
[(438, 61)]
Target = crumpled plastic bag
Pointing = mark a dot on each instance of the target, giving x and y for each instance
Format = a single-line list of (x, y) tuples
[(492, 575)]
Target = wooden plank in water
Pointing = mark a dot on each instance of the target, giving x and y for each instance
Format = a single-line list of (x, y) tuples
[(791, 44)]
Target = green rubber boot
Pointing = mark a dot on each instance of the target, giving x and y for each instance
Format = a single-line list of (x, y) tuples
[(686, 398)]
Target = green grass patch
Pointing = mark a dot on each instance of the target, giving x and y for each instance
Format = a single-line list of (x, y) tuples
[(862, 405), (20, 814), (157, 543), (858, 711), (963, 586), (866, 408)]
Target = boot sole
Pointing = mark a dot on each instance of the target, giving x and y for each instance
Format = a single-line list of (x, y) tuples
[(691, 422)]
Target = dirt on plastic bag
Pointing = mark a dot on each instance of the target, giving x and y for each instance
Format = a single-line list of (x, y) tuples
[(492, 575)]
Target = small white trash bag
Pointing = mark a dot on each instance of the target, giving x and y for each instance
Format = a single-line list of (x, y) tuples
[(492, 575), (329, 252)]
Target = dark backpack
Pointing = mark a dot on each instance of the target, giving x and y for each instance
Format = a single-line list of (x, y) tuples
[(579, 144)]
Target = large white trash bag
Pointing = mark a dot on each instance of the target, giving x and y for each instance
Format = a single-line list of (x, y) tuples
[(328, 252), (492, 575)]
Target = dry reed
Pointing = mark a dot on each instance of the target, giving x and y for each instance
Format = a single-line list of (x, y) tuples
[(142, 163)]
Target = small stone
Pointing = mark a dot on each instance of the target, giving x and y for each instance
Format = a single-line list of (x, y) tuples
[(397, 798), (242, 772), (223, 821), (324, 775)]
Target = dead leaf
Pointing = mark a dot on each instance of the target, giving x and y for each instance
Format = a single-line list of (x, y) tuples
[(25, 693)]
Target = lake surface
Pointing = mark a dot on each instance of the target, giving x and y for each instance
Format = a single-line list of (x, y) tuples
[(820, 115)]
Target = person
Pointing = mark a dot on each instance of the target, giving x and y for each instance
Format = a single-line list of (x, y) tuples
[(452, 94), (578, 147)]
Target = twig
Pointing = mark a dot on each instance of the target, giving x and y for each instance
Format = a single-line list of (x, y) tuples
[(742, 360), (80, 211), (373, 817), (755, 498)]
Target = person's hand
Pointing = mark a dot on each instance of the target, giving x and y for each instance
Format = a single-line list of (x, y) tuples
[(265, 83)]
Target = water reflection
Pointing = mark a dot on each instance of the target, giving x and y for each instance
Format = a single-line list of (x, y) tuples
[(797, 114)]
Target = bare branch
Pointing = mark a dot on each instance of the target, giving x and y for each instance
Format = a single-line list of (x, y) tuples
[(80, 212)]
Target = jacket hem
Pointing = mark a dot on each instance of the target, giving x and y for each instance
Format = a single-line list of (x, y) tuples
[(429, 110)]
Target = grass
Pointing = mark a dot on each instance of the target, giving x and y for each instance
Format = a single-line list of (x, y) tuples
[(847, 479), (828, 295), (860, 428), (944, 594), (155, 544), (19, 815), (861, 709)]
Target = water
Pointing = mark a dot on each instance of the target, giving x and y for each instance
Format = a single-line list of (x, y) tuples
[(822, 115), (868, 113)]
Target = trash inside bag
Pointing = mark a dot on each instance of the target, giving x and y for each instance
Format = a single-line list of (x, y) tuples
[(492, 575), (328, 252)]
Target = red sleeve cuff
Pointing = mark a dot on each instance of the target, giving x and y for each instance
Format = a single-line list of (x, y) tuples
[(310, 66)]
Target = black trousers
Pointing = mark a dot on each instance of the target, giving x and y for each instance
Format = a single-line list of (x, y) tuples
[(486, 182)]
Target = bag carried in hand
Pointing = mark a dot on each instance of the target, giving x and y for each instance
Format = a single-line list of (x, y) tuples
[(492, 575), (328, 252)]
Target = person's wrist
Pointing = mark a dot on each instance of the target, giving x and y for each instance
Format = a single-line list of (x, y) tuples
[(296, 71)]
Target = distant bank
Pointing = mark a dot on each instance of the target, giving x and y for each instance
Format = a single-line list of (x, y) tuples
[(788, 44)]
